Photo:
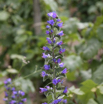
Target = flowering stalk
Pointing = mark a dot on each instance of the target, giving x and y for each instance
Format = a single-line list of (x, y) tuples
[(12, 96), (54, 68)]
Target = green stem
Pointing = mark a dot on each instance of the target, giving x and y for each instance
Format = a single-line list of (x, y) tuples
[(53, 67), (31, 74)]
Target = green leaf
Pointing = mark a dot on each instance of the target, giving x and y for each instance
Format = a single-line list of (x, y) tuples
[(98, 75), (2, 74), (82, 25), (89, 48), (52, 4), (100, 32), (98, 22), (86, 74), (12, 71), (76, 91), (4, 15), (25, 84), (100, 98), (49, 97), (20, 38), (71, 76), (91, 101), (92, 9), (88, 85), (73, 62), (101, 89), (85, 98), (14, 56)]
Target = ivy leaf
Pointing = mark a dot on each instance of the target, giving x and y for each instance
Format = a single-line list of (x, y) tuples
[(88, 85), (86, 74), (76, 91), (100, 32), (98, 75), (101, 89), (100, 99), (73, 62), (88, 49)]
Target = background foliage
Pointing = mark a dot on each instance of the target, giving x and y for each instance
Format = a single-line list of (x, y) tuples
[(83, 28)]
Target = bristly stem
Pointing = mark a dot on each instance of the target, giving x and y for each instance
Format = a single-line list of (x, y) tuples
[(53, 67)]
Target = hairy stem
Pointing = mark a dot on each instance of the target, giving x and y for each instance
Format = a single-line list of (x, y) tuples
[(53, 67)]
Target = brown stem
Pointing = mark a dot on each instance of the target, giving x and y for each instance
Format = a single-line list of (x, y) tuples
[(74, 101), (37, 16)]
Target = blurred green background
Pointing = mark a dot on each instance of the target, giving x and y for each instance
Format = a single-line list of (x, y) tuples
[(22, 34)]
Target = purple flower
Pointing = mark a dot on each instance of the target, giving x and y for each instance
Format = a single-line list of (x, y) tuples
[(54, 60), (44, 103), (59, 60), (47, 26), (20, 103), (6, 94), (5, 99), (13, 89), (52, 14), (13, 102), (54, 40), (47, 32), (43, 90), (21, 92), (60, 24), (51, 22), (13, 96), (65, 90), (64, 71), (58, 20), (61, 64), (49, 41), (46, 48), (60, 33), (56, 81), (48, 87), (59, 43), (51, 31), (57, 101), (45, 56), (46, 67), (24, 100), (62, 82), (7, 81), (43, 74), (15, 92), (65, 101), (61, 50)]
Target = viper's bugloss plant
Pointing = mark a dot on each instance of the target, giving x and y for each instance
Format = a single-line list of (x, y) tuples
[(54, 68), (13, 96)]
